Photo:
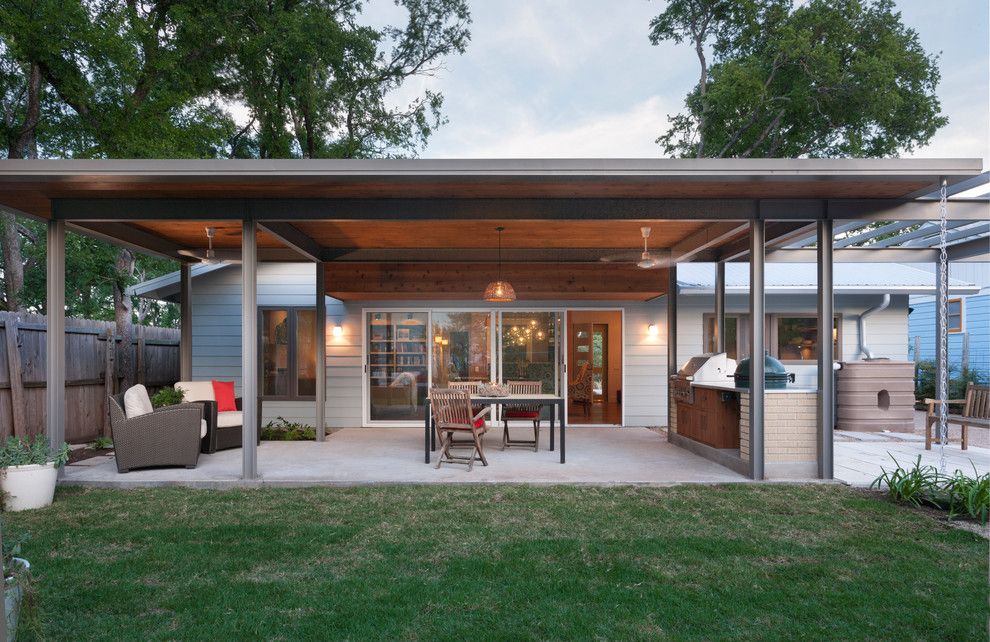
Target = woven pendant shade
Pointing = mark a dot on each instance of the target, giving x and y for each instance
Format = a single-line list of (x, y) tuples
[(499, 291)]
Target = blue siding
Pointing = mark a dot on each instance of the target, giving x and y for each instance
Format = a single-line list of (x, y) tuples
[(976, 323)]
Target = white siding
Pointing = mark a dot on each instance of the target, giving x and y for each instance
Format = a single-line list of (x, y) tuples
[(217, 337)]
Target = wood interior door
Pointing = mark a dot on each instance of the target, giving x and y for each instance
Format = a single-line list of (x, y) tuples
[(589, 345)]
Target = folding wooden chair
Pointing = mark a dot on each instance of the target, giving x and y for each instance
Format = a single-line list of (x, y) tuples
[(532, 413), (452, 414)]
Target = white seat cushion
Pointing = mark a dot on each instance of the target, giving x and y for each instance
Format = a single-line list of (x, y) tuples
[(202, 428), (196, 390), (137, 402), (228, 419)]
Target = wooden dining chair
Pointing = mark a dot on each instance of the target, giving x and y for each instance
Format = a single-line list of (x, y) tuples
[(531, 413), (453, 416)]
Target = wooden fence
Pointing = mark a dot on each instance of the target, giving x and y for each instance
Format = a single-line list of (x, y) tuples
[(92, 351)]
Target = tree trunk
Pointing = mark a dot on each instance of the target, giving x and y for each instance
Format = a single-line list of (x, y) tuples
[(13, 263), (123, 309)]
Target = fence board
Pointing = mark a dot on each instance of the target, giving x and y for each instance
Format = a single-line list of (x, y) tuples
[(92, 353)]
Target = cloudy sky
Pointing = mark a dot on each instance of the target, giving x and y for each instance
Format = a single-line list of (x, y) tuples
[(579, 78)]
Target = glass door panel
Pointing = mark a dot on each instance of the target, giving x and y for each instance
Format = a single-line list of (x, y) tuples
[(306, 353), (462, 347), (397, 365), (529, 348), (275, 366)]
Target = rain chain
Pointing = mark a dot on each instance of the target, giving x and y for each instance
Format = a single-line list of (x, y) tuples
[(943, 338)]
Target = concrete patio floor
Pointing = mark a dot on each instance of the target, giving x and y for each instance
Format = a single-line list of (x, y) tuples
[(599, 456), (395, 455)]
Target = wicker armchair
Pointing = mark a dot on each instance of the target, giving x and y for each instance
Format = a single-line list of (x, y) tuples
[(168, 436)]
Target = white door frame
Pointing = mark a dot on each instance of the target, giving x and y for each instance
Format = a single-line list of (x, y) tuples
[(622, 328)]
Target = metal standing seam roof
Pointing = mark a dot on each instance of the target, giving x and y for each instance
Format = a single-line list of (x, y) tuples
[(866, 278)]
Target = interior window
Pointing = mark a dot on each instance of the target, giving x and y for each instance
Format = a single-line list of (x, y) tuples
[(288, 353), (797, 338)]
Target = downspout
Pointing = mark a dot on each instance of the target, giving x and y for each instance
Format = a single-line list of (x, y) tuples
[(863, 350)]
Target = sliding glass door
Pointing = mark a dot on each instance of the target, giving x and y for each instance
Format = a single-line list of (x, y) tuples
[(529, 348), (397, 370), (462, 347)]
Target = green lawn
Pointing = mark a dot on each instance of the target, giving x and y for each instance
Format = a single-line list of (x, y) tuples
[(740, 561)]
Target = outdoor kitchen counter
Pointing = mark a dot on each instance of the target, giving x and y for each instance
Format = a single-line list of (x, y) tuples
[(728, 386)]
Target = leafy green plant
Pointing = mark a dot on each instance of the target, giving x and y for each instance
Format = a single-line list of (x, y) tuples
[(969, 497), (280, 429), (925, 384), (21, 452), (167, 397), (102, 443), (918, 485), (960, 495)]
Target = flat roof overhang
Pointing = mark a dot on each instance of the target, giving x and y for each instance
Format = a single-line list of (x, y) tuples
[(401, 223)]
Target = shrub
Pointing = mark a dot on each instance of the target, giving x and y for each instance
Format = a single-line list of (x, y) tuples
[(925, 384), (280, 429), (167, 397), (969, 497), (21, 452), (917, 485)]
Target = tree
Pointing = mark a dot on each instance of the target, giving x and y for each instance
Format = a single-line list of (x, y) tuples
[(160, 79), (829, 78)]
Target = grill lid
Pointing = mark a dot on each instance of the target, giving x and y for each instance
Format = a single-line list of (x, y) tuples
[(773, 368)]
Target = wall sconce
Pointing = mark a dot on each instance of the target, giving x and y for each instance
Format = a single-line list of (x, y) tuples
[(438, 339), (338, 330), (652, 330)]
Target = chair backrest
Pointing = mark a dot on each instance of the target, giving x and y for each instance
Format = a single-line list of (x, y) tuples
[(977, 401), (526, 388), (471, 387), (583, 373), (451, 408)]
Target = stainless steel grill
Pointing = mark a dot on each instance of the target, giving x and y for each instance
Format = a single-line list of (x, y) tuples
[(715, 367)]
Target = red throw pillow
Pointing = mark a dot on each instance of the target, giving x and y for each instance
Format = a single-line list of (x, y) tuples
[(224, 393)]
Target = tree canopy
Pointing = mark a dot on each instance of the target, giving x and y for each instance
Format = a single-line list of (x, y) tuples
[(201, 79), (828, 78)]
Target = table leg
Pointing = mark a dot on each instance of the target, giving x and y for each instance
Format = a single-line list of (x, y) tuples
[(563, 430), (426, 430), (553, 415)]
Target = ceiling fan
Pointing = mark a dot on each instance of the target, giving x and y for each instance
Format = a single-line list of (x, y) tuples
[(210, 256), (645, 260)]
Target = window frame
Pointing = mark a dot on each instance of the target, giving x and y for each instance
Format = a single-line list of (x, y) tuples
[(292, 312), (962, 316), (774, 334), (742, 332)]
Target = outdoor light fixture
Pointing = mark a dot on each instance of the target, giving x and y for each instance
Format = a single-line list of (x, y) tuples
[(652, 329), (499, 291), (338, 331)]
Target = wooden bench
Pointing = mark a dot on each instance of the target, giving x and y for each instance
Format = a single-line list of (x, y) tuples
[(976, 413)]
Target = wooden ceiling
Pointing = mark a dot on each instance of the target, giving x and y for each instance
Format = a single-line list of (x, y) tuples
[(439, 234)]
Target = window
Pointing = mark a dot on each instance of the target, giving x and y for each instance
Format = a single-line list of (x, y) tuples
[(736, 335), (795, 337), (954, 318), (288, 353)]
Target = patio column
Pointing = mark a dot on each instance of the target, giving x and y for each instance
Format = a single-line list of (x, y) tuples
[(720, 306), (185, 322), (321, 351), (826, 376), (55, 337), (757, 235), (249, 348), (671, 336)]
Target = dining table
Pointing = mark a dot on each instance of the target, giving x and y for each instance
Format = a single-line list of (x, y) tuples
[(556, 402)]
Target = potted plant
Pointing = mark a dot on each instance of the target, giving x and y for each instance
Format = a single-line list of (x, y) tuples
[(17, 582), (28, 471), (170, 396)]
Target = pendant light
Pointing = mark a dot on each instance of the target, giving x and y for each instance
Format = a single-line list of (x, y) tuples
[(499, 291)]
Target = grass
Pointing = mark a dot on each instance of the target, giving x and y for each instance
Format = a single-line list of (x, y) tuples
[(498, 562)]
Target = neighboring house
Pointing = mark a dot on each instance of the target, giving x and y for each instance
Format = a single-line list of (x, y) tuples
[(286, 296), (968, 319)]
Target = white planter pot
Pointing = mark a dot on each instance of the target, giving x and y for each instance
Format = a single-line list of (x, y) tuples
[(31, 486), (13, 595)]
